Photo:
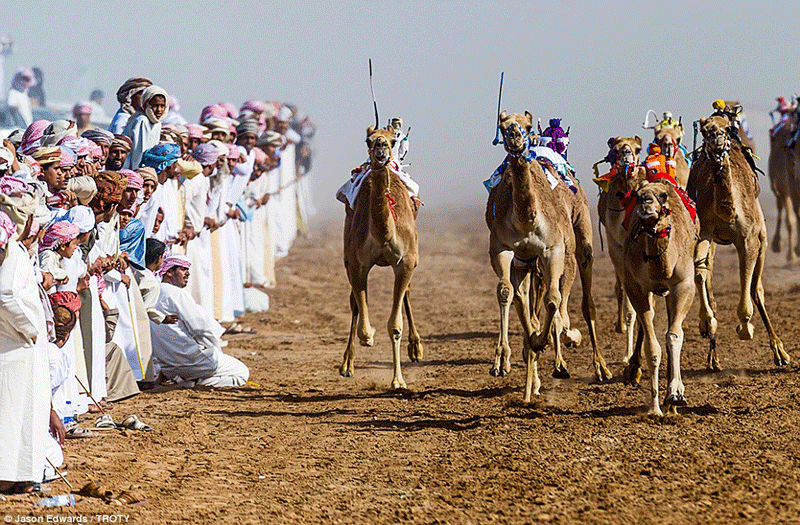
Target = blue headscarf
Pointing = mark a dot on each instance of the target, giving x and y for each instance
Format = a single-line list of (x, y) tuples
[(161, 156), (131, 240)]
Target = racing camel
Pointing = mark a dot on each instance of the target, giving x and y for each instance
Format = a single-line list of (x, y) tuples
[(381, 230), (726, 190)]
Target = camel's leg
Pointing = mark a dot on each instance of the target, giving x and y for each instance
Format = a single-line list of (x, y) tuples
[(620, 325), (347, 367), (536, 296), (779, 355), (748, 251), (402, 278), (632, 374), (571, 336), (502, 354), (703, 266), (629, 319), (521, 282), (567, 335), (679, 301), (552, 270), (415, 350), (777, 245), (585, 263), (791, 228), (795, 216), (643, 304), (358, 282)]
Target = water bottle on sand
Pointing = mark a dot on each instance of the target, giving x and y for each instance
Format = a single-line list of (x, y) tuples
[(61, 500), (68, 414)]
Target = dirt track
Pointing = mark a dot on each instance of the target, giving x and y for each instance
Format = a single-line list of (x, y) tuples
[(308, 446)]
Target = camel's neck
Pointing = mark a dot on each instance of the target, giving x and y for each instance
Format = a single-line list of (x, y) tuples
[(524, 201), (723, 191), (382, 224), (659, 258)]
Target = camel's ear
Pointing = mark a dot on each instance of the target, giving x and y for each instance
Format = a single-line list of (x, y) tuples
[(703, 121), (370, 130), (503, 115), (662, 197), (638, 140), (530, 121)]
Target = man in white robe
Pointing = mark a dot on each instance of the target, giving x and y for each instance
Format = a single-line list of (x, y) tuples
[(190, 350), (24, 364)]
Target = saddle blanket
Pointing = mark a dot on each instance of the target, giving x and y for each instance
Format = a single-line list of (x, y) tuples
[(348, 192), (559, 163)]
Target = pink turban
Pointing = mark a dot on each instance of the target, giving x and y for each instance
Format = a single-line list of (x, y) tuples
[(7, 229), (58, 234), (67, 157), (32, 136), (256, 106), (9, 185), (205, 154), (135, 180), (36, 168), (214, 110), (195, 131), (171, 261), (261, 157), (230, 110), (233, 151), (81, 108), (79, 145), (97, 151)]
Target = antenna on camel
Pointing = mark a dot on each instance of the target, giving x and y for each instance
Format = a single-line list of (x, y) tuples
[(496, 140), (374, 104)]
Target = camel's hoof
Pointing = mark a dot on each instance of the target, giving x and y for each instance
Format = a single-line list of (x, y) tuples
[(572, 337), (745, 331), (779, 355), (602, 374), (655, 412), (561, 372), (415, 351), (713, 367), (675, 400), (498, 372), (632, 375), (398, 385), (345, 371)]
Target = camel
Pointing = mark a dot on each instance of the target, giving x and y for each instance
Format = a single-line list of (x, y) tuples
[(658, 259), (785, 187), (726, 190), (381, 230), (669, 140), (583, 261), (624, 177), (530, 228)]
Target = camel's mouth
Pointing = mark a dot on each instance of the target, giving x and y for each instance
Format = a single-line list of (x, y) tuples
[(667, 148), (626, 157), (515, 139), (717, 140), (381, 153)]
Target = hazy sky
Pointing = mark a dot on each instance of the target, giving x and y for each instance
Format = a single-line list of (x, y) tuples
[(597, 65)]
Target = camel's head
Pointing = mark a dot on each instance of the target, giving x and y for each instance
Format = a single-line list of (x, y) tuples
[(516, 130), (669, 139), (624, 151), (716, 139), (651, 207), (380, 143)]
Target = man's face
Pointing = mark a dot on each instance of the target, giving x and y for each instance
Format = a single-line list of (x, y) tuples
[(66, 250), (136, 101), (53, 176), (157, 223), (159, 106), (128, 198), (116, 158), (248, 140), (219, 135), (147, 190), (104, 148), (178, 276), (124, 219), (193, 142), (83, 120), (232, 164)]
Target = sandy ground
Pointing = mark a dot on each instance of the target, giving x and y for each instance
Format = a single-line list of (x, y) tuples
[(304, 445)]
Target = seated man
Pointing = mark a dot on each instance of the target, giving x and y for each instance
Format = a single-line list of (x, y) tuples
[(190, 350)]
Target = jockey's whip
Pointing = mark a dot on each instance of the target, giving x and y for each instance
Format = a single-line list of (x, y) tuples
[(372, 90), (646, 123), (496, 140)]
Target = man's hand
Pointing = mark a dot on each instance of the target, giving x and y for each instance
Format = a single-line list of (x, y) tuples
[(170, 319), (47, 280), (57, 428), (126, 280)]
